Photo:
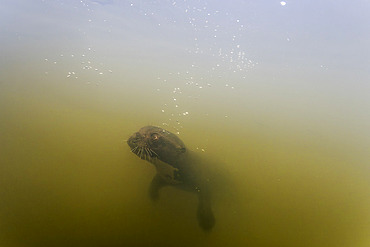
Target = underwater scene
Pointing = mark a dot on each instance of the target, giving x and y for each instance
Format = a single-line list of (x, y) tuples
[(184, 123)]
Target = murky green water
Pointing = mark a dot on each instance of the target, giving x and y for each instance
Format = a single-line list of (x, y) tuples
[(286, 136)]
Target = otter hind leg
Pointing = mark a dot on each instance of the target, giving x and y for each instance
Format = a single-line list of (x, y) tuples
[(156, 184), (206, 219)]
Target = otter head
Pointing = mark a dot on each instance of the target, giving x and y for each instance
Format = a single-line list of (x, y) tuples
[(153, 142)]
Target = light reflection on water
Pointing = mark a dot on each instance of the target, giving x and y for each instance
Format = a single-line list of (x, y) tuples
[(282, 128)]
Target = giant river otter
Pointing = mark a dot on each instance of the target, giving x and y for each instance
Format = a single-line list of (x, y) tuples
[(175, 166)]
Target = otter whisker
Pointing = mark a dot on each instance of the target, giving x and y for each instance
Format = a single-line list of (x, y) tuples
[(147, 154), (154, 152), (147, 157), (133, 150), (141, 153)]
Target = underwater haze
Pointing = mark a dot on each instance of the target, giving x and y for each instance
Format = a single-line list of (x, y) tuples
[(275, 95)]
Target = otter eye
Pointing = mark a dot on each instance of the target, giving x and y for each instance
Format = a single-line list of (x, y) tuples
[(155, 137)]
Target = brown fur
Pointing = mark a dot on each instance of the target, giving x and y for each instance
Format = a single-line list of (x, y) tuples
[(175, 166)]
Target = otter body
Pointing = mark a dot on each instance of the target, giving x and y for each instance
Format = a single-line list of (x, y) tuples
[(175, 165)]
